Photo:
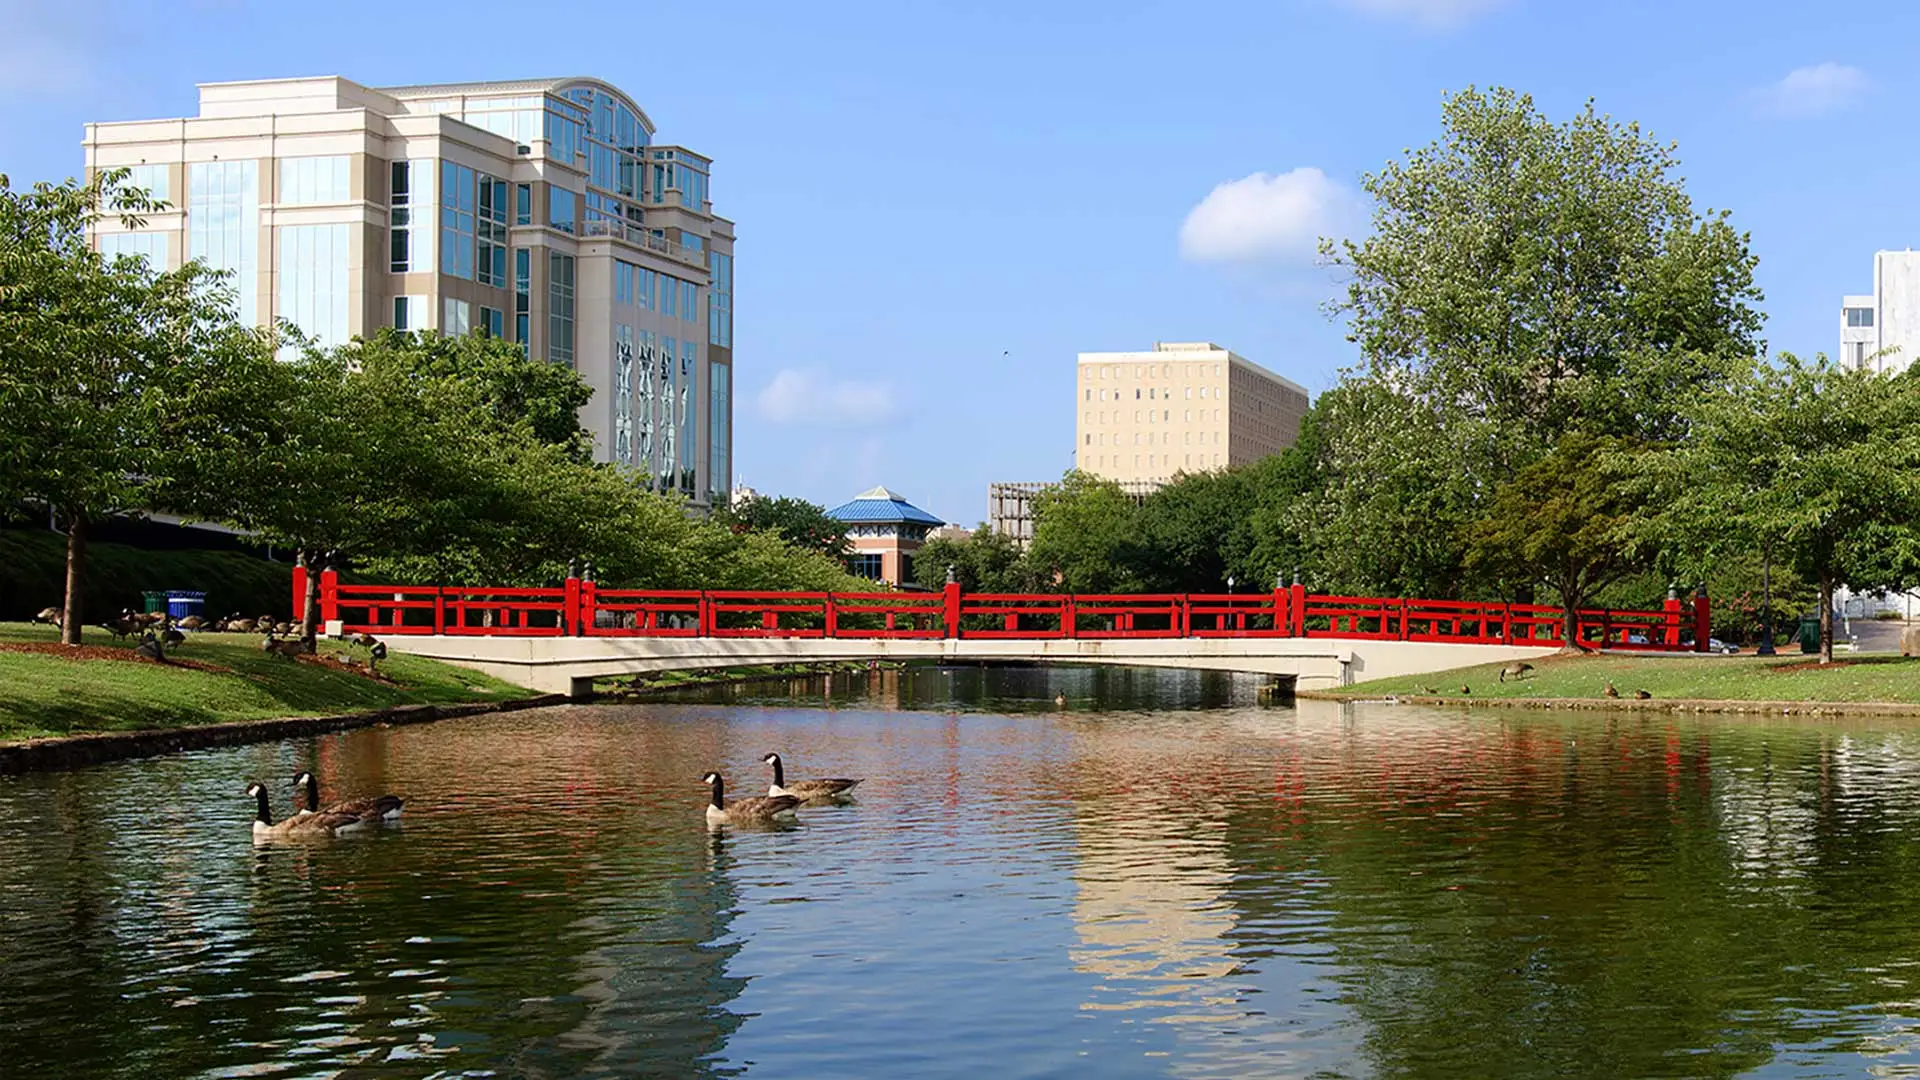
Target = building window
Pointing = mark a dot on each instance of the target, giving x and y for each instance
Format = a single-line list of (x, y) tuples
[(624, 275), (720, 302), (492, 322), (151, 246), (560, 308), (306, 180), (865, 566), (491, 233), (623, 394), (689, 301), (313, 281), (719, 430), (409, 313), (456, 220), (523, 204), (560, 209), (689, 414), (153, 179), (411, 217), (223, 226), (523, 298), (1856, 357), (1859, 316), (456, 317)]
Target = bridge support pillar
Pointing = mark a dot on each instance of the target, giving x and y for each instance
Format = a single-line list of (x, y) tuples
[(580, 689)]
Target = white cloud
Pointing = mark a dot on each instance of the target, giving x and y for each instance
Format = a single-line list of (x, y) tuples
[(804, 397), (1436, 14), (1268, 217), (1816, 89)]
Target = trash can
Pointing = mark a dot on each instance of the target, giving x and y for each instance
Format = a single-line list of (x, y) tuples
[(1809, 634), (181, 604), (151, 602)]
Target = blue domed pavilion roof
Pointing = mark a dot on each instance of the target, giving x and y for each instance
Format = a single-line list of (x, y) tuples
[(882, 506)]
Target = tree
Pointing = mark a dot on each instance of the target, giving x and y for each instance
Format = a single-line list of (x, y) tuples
[(1567, 522), (1083, 534), (987, 561), (796, 521), (490, 381), (108, 368), (1820, 463)]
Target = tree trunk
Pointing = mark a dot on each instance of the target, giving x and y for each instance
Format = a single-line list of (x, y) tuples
[(1570, 629), (71, 618), (1826, 618)]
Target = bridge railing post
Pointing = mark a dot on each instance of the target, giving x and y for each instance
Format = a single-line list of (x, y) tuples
[(833, 618), (1702, 619), (1282, 620), (586, 612), (299, 608), (705, 617), (570, 600), (1671, 633), (952, 597), (1297, 608), (329, 595)]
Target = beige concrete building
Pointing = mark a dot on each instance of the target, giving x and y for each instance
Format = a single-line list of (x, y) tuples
[(1182, 407), (542, 211)]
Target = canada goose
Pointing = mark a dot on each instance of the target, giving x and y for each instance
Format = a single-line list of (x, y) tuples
[(321, 824), (287, 647), (1518, 669), (1433, 690), (191, 622), (284, 629), (375, 653), (1611, 690), (52, 616), (122, 626), (151, 648), (172, 638), (1643, 695), (1060, 700), (1466, 690), (377, 808), (364, 640), (264, 623), (756, 808), (805, 789)]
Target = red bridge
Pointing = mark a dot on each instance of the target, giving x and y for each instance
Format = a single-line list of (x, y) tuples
[(601, 631)]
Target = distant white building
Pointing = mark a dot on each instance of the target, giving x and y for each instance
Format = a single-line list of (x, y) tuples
[(1881, 332)]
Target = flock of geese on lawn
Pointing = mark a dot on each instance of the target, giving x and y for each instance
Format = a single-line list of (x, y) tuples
[(352, 815)]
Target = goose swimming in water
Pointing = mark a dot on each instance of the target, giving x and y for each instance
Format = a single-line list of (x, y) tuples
[(376, 808), (757, 809), (299, 825), (806, 789)]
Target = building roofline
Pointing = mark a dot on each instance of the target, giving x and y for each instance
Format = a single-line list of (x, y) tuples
[(508, 86)]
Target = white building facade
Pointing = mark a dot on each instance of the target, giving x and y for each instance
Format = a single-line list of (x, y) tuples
[(1881, 331), (540, 211)]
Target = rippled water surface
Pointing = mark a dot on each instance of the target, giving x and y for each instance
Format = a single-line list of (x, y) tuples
[(1164, 877)]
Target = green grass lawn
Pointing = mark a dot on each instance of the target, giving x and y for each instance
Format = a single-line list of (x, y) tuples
[(1787, 677), (52, 695)]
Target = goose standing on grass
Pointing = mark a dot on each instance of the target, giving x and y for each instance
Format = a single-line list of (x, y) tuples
[(805, 789), (756, 809), (299, 825), (377, 808)]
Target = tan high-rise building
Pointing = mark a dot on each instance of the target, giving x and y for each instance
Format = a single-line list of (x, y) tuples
[(542, 211), (1182, 407)]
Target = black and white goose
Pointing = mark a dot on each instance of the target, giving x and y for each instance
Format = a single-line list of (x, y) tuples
[(299, 825), (376, 808), (755, 809), (830, 788)]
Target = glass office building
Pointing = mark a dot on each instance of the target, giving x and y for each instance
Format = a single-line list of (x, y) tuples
[(545, 212)]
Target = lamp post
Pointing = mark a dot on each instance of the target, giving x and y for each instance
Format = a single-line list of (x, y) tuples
[(1766, 600)]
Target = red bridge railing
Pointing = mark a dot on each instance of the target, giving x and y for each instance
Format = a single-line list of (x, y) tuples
[(580, 608)]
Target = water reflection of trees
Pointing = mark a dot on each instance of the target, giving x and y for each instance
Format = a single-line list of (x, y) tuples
[(1636, 898)]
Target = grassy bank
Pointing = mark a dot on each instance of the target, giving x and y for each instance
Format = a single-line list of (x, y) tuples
[(1784, 678), (45, 694)]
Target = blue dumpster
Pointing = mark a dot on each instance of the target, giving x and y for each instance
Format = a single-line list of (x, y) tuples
[(181, 604)]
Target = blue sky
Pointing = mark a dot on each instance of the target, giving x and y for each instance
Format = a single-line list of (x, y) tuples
[(939, 204)]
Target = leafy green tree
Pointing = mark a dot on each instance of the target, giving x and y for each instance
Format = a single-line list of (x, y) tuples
[(1084, 533), (795, 521), (1567, 522), (986, 561), (1818, 463), (490, 381), (109, 369)]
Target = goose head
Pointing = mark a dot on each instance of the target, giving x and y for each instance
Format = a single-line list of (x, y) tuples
[(304, 780), (770, 759)]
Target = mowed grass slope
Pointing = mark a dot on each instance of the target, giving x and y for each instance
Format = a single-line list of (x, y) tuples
[(43, 695), (1787, 677)]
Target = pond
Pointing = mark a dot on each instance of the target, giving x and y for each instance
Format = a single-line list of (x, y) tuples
[(1166, 876)]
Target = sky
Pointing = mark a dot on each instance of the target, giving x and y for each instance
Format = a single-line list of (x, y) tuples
[(940, 204)]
